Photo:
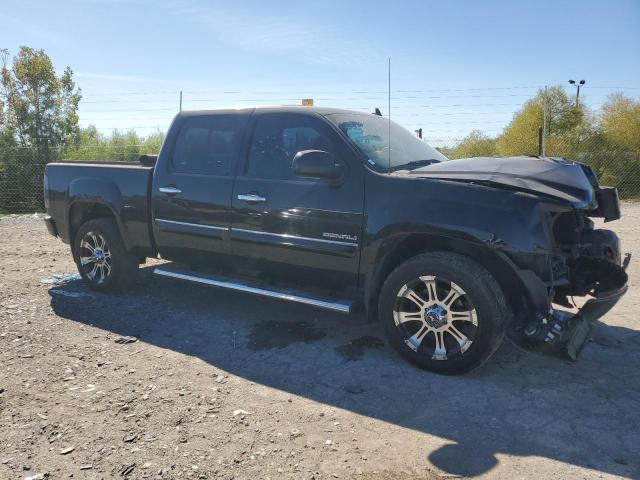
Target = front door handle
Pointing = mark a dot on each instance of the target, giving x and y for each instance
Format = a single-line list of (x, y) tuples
[(252, 198), (170, 190)]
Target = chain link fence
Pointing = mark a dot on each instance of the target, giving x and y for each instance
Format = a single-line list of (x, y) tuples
[(22, 169), (614, 166), (21, 181)]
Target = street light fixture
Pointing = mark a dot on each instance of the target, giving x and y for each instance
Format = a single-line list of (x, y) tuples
[(578, 85)]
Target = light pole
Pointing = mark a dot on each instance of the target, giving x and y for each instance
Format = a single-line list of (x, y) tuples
[(578, 85)]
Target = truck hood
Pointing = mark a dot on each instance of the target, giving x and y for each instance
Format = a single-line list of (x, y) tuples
[(552, 177)]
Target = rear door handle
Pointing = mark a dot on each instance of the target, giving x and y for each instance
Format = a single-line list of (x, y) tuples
[(252, 198), (170, 190)]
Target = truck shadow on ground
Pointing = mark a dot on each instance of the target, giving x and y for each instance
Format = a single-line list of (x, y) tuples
[(519, 404)]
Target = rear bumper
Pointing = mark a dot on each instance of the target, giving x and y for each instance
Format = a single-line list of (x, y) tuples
[(51, 225)]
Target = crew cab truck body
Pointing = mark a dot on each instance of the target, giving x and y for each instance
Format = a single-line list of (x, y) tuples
[(342, 210)]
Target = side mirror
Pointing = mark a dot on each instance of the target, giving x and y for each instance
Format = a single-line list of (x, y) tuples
[(317, 164)]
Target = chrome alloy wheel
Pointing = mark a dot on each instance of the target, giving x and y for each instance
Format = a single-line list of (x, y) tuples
[(95, 257), (436, 317)]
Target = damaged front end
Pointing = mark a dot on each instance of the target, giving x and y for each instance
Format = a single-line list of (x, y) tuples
[(587, 276), (567, 272)]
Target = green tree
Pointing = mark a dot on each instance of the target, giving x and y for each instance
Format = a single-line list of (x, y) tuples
[(476, 144), (620, 122), (6, 135), (119, 146), (41, 107), (614, 149), (39, 118), (566, 125)]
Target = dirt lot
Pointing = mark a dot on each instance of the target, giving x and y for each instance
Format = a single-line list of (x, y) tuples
[(223, 385)]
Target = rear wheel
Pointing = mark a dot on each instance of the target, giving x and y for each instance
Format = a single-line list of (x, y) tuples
[(101, 257), (443, 312)]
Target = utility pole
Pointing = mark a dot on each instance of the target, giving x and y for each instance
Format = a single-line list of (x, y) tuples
[(540, 142), (389, 114), (180, 100), (578, 85)]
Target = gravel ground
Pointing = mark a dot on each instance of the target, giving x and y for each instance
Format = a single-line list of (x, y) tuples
[(178, 381)]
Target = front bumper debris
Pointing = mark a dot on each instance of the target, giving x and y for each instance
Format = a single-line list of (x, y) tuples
[(571, 332), (568, 331)]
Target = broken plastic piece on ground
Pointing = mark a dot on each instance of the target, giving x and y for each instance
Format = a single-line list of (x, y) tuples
[(60, 279), (570, 332), (125, 339)]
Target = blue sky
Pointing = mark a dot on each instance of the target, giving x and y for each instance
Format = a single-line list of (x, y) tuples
[(456, 65)]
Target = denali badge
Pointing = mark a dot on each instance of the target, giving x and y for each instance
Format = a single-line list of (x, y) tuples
[(340, 236)]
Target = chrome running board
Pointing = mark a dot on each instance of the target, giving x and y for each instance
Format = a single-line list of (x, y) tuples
[(342, 306)]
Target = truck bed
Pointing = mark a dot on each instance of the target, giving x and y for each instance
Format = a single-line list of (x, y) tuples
[(121, 187)]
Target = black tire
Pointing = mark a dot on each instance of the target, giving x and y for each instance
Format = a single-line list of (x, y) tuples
[(479, 315), (122, 266)]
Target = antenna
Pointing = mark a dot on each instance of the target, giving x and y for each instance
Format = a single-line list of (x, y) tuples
[(389, 115), (543, 145)]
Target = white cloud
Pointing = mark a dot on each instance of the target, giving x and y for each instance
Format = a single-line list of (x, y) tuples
[(283, 33), (131, 79), (29, 31)]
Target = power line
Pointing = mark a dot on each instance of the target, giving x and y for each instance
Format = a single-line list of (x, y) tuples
[(319, 99), (336, 92), (366, 107), (78, 148), (306, 91), (128, 118), (613, 88), (167, 118), (125, 127), (134, 110)]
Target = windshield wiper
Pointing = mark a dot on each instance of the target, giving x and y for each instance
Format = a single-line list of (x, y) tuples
[(413, 165)]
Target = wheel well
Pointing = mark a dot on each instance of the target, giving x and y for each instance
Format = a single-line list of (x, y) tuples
[(397, 251), (81, 212)]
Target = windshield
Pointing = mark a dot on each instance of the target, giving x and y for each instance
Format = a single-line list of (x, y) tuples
[(370, 134)]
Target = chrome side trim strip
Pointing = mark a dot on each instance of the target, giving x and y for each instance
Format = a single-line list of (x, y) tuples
[(197, 225), (286, 236), (333, 306), (283, 236)]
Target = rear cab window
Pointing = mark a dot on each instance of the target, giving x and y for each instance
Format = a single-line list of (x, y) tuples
[(207, 145)]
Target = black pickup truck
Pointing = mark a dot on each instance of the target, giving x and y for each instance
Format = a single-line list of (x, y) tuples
[(344, 211)]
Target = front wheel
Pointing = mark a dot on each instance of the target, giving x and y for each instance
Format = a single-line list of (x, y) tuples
[(443, 312), (101, 257)]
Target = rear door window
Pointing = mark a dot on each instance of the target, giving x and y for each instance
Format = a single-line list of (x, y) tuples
[(206, 145)]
